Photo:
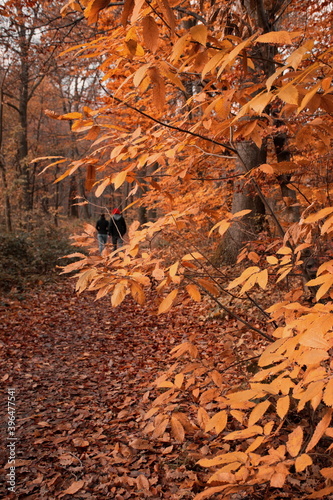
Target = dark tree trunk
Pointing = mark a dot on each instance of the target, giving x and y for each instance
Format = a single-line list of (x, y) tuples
[(245, 198)]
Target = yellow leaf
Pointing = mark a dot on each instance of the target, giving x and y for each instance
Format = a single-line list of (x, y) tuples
[(289, 94), (255, 444), (118, 295), (262, 279), (138, 77), (218, 421), (177, 430), (266, 168), (212, 63), (318, 215), (241, 213), (192, 256), (71, 116), (282, 406), (295, 440), (229, 58), (193, 292), (199, 33), (243, 277), (167, 302), (102, 187), (296, 57), (320, 429), (302, 462), (223, 226), (257, 412), (324, 287), (279, 37), (284, 251), (150, 33), (119, 179), (259, 102), (85, 279), (173, 269), (315, 340), (313, 390), (244, 433), (272, 260), (179, 48), (312, 357)]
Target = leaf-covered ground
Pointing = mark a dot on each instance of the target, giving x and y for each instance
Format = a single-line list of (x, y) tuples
[(83, 375)]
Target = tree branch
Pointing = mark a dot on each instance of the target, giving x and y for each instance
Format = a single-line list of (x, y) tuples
[(167, 125)]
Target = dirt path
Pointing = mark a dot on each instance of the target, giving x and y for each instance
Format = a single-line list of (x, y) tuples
[(82, 373)]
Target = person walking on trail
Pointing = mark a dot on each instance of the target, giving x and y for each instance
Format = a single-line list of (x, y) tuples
[(102, 227), (117, 228)]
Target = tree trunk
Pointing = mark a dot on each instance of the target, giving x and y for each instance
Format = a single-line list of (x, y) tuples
[(245, 198), (8, 217), (22, 152)]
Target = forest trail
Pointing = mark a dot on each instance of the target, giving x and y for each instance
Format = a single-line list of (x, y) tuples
[(82, 373)]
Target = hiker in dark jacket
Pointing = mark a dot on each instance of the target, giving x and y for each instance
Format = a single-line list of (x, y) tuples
[(102, 227), (117, 228)]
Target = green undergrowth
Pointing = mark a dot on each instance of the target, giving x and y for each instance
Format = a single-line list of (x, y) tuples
[(29, 258)]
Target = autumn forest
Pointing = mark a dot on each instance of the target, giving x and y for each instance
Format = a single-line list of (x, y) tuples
[(193, 360)]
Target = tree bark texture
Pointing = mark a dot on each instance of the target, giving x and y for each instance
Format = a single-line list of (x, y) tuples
[(245, 198)]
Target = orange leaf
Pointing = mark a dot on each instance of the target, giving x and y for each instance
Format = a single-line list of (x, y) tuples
[(167, 303), (320, 429), (199, 33), (257, 412), (282, 37), (118, 295), (209, 286), (321, 493), (302, 462), (73, 488), (150, 33), (177, 430), (193, 292), (179, 379), (127, 11), (295, 440), (119, 179), (328, 395), (327, 472), (244, 433), (282, 406), (218, 421), (203, 417)]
